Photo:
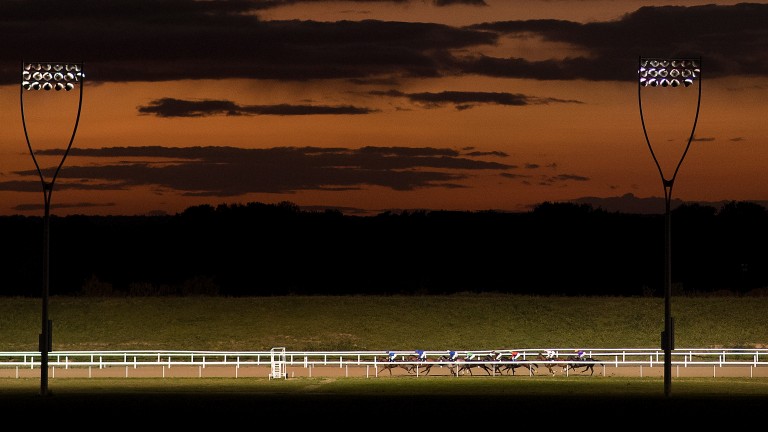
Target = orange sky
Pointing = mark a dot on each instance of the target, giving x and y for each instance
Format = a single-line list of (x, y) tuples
[(501, 138)]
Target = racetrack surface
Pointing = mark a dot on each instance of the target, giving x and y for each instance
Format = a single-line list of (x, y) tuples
[(589, 402)]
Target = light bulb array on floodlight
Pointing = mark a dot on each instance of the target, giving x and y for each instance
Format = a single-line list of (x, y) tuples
[(664, 72), (51, 76)]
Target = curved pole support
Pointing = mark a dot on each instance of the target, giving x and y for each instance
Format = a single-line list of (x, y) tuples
[(667, 336), (45, 337)]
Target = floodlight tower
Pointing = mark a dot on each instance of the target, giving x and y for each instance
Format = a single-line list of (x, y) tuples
[(48, 76), (663, 73)]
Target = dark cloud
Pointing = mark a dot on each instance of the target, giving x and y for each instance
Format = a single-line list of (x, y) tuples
[(229, 171), (732, 40), (159, 40), (514, 176), (490, 153), (565, 177), (53, 206), (459, 2), (551, 180), (170, 107), (464, 100)]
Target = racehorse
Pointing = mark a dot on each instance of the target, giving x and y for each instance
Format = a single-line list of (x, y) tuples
[(512, 366), (427, 363), (551, 362), (460, 365), (456, 367), (386, 364), (389, 363), (412, 364), (467, 364), (590, 365)]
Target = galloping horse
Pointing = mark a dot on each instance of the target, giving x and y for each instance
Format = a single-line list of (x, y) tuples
[(587, 366), (551, 362), (512, 366), (413, 364), (466, 364), (427, 364), (390, 362), (421, 360), (387, 364)]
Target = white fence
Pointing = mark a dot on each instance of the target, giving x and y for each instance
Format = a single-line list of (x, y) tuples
[(618, 358)]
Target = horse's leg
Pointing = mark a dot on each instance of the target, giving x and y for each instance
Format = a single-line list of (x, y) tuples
[(387, 367), (486, 368), (552, 369), (453, 369), (427, 368)]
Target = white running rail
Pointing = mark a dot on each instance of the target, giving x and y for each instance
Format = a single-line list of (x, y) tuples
[(279, 358)]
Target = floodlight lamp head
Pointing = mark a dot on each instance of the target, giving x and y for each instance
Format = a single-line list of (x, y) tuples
[(51, 75), (668, 72)]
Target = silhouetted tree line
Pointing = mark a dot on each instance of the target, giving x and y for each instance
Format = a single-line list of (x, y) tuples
[(277, 249)]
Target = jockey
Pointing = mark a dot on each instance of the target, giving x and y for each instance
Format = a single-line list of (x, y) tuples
[(452, 355), (498, 355), (515, 355), (422, 355), (391, 356), (580, 353), (551, 354), (470, 356)]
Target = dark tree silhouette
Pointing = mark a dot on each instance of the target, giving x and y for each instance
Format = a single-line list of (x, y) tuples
[(278, 249)]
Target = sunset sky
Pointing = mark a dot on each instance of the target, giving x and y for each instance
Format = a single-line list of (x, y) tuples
[(369, 106)]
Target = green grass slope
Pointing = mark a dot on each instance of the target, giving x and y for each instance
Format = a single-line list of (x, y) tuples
[(325, 323)]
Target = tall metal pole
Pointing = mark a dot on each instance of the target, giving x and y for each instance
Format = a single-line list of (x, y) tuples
[(45, 334), (668, 335), (48, 76), (661, 72)]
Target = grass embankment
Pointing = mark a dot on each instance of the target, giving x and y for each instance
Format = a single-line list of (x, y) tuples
[(325, 323)]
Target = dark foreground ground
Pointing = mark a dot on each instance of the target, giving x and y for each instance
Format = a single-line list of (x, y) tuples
[(392, 406), (370, 411)]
